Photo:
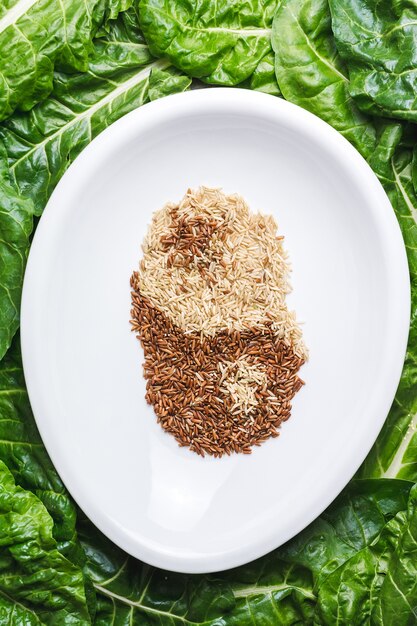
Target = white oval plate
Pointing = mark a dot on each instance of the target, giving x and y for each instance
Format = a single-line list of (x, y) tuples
[(163, 504)]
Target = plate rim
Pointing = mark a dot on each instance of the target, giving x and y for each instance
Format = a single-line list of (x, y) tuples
[(253, 103)]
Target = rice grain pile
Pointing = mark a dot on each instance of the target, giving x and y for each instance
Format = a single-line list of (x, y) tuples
[(222, 351)]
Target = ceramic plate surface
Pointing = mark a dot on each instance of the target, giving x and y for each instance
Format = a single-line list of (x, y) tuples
[(163, 504)]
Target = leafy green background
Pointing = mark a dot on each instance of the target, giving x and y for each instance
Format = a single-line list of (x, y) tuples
[(68, 69)]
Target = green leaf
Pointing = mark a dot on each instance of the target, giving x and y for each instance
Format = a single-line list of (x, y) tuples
[(221, 43), (350, 547), (397, 602), (41, 144), (22, 450), (394, 453), (37, 147), (378, 41), (350, 593), (263, 78), (267, 590), (310, 72), (44, 34), (16, 223), (38, 585), (163, 82), (333, 572)]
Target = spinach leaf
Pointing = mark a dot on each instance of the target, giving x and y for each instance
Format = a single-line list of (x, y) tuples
[(378, 41), (336, 571), (21, 449), (397, 602), (394, 453), (16, 223), (268, 590), (41, 144), (377, 583), (38, 146), (38, 35), (263, 78), (350, 549), (311, 74), (221, 43), (38, 585)]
